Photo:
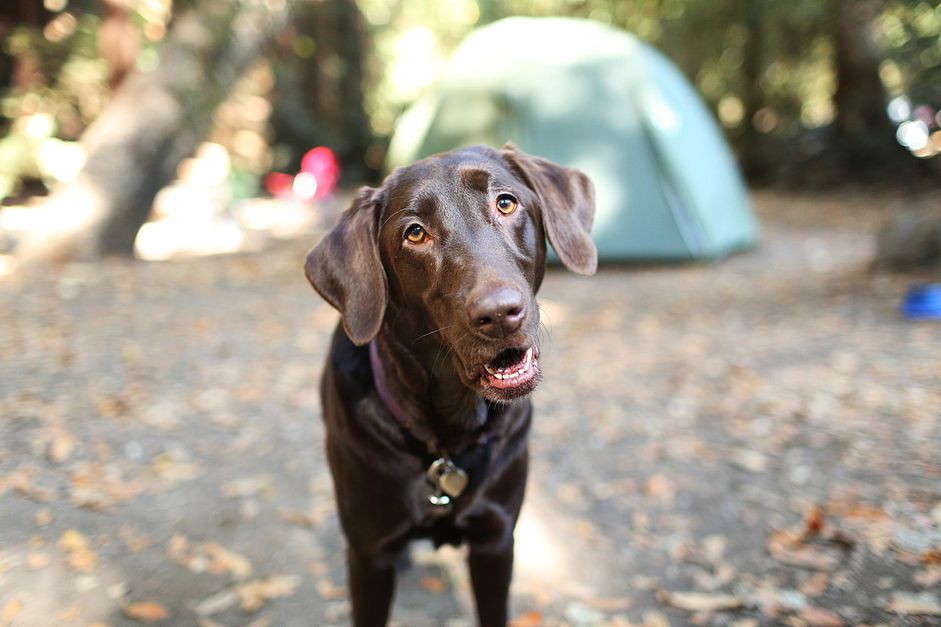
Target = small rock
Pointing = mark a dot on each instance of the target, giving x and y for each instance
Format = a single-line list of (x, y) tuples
[(916, 541), (577, 613), (750, 460), (699, 601)]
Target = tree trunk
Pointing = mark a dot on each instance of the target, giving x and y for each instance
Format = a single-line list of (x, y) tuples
[(319, 100), (753, 157), (865, 137), (155, 120)]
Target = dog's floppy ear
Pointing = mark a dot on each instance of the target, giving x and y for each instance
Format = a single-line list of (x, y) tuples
[(567, 199), (346, 270)]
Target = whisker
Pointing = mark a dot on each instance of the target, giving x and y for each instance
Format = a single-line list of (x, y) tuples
[(424, 335), (450, 347)]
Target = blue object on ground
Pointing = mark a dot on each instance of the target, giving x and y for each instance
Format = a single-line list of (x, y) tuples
[(923, 302)]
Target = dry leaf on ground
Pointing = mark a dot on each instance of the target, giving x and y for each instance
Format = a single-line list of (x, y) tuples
[(146, 611), (529, 619), (9, 612), (252, 595), (699, 601), (820, 617), (78, 555), (434, 584)]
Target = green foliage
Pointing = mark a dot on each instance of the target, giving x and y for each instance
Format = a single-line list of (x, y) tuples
[(64, 78), (767, 68), (912, 35)]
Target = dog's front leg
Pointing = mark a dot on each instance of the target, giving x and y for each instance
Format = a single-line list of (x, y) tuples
[(491, 570), (372, 584)]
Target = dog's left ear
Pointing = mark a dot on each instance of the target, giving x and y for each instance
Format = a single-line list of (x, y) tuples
[(568, 207), (346, 271)]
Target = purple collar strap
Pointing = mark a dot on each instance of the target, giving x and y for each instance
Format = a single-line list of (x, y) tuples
[(382, 386), (445, 477)]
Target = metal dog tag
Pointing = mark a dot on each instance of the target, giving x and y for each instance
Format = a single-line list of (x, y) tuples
[(450, 479)]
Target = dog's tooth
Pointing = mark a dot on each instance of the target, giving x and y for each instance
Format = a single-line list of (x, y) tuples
[(489, 369)]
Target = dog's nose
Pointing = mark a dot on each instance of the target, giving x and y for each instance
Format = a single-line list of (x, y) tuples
[(499, 312)]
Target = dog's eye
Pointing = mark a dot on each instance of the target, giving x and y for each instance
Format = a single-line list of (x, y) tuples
[(416, 234), (506, 204)]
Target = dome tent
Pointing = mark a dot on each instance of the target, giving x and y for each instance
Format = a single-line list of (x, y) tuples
[(593, 97)]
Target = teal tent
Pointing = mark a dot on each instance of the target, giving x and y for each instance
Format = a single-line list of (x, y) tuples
[(596, 98)]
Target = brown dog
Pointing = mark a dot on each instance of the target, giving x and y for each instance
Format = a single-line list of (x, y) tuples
[(425, 388)]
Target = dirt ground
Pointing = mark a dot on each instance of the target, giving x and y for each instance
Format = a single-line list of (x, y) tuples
[(749, 442)]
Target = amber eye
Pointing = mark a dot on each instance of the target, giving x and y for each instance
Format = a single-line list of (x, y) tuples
[(416, 234), (506, 204)]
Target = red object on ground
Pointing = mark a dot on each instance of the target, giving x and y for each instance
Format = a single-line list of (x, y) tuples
[(279, 184), (323, 164)]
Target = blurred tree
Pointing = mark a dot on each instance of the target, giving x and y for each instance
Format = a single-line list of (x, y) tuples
[(155, 120), (118, 40), (17, 13), (319, 88), (865, 137)]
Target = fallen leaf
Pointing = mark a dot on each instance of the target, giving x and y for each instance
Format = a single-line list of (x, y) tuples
[(208, 557), (21, 481), (43, 517), (786, 548), (61, 444), (813, 521), (434, 584), (252, 595), (99, 486), (173, 471), (69, 614), (146, 612), (327, 590), (225, 560), (816, 585), (820, 617), (750, 460), (529, 619), (699, 601), (660, 488), (9, 612), (219, 602), (299, 518), (653, 618), (79, 556), (929, 577), (921, 604), (112, 406), (36, 561), (133, 540), (247, 486)]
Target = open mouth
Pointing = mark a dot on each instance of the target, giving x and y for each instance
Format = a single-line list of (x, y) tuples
[(513, 369)]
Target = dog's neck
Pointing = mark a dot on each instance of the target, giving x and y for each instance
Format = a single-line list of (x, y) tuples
[(433, 402)]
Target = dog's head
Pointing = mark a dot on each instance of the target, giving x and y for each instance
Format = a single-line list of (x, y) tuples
[(449, 253)]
